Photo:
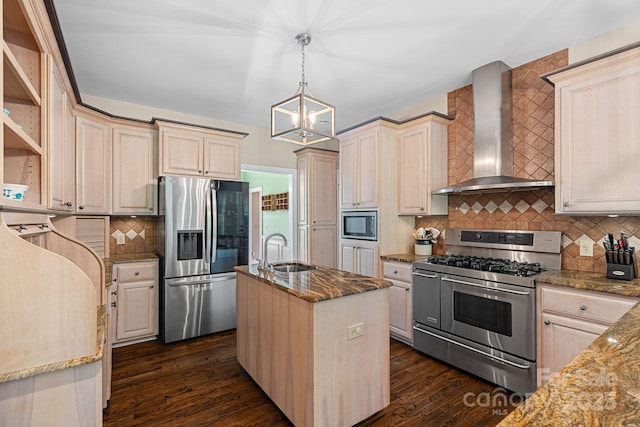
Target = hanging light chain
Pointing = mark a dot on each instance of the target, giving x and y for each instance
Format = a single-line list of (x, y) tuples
[(303, 40)]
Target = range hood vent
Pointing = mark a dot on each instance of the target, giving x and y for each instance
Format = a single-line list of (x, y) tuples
[(493, 135)]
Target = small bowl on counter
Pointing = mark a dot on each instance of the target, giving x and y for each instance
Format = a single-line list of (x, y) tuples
[(14, 191)]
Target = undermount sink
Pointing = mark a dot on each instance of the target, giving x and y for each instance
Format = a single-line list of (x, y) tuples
[(292, 267)]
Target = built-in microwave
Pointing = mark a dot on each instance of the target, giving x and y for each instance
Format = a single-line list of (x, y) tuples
[(361, 225)]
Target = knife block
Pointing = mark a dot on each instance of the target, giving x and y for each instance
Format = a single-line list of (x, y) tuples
[(623, 271)]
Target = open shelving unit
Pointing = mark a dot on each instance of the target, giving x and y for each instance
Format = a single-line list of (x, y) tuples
[(24, 71)]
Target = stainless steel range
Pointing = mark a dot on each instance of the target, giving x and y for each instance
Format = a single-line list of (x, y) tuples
[(475, 307)]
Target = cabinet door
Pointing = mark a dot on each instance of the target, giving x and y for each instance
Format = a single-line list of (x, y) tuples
[(61, 148), (137, 310), (93, 154), (596, 130), (367, 173), (412, 171), (221, 159), (134, 175), (368, 261), (562, 338), (348, 257), (182, 154), (323, 243), (400, 321), (348, 173), (303, 243), (322, 185)]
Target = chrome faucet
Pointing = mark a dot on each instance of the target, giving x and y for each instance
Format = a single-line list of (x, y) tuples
[(265, 264)]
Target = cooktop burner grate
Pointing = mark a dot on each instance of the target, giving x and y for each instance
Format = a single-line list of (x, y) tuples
[(495, 265)]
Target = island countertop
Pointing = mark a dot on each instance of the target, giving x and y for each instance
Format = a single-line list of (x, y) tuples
[(316, 285)]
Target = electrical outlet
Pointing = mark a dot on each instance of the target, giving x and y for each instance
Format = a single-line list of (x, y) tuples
[(355, 331), (120, 239), (586, 248)]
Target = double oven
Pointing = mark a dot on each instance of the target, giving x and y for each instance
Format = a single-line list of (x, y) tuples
[(475, 307)]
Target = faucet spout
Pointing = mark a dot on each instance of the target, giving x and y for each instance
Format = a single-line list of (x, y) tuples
[(265, 262)]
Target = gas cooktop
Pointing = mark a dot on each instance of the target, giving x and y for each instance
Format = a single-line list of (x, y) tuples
[(496, 265)]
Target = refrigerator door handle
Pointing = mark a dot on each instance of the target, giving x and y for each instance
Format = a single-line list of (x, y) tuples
[(207, 226), (214, 220)]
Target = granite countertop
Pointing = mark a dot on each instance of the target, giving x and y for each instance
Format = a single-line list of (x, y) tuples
[(65, 364), (404, 257), (591, 282), (601, 386), (316, 285)]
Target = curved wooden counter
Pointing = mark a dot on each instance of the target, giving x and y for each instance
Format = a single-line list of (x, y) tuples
[(295, 337)]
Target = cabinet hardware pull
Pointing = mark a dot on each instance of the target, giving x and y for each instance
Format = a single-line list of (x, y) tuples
[(547, 322), (137, 273), (151, 286), (113, 304), (199, 170), (583, 307), (395, 271), (565, 204), (407, 289), (68, 204), (421, 209), (81, 207)]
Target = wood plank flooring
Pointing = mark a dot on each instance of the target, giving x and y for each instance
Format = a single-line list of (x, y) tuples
[(198, 382)]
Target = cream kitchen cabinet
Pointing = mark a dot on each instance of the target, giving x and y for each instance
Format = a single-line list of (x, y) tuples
[(61, 148), (422, 146), (360, 257), (317, 206), (400, 299), (359, 168), (93, 165), (134, 170), (195, 151), (571, 319), (135, 299), (596, 131)]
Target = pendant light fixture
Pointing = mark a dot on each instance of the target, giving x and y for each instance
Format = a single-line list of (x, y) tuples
[(303, 119)]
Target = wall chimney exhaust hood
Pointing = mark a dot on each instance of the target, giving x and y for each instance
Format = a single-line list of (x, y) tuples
[(493, 135)]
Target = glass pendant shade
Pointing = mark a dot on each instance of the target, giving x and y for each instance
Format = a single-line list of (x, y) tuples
[(302, 119)]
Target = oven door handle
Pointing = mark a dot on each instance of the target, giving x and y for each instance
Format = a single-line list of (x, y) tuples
[(428, 276), (462, 282), (491, 356)]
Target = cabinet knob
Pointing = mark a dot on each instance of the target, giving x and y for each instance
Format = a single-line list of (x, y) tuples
[(80, 207), (151, 286), (565, 204), (206, 172), (114, 292), (395, 271), (422, 209), (583, 307), (354, 203), (407, 289), (150, 209), (113, 304), (137, 273), (199, 170), (67, 204), (547, 322)]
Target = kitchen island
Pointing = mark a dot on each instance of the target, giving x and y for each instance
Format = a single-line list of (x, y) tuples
[(316, 342)]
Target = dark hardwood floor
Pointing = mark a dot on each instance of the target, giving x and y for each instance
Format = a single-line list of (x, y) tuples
[(198, 382)]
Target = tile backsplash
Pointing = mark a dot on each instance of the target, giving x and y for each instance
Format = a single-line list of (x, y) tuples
[(533, 114), (139, 235)]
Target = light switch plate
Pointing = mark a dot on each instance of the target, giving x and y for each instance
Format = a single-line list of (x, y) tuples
[(586, 247), (120, 239)]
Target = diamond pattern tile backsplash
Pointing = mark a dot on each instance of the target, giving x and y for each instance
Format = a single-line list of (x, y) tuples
[(533, 117), (139, 235)]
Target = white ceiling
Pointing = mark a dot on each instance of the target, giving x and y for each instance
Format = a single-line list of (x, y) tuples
[(231, 60)]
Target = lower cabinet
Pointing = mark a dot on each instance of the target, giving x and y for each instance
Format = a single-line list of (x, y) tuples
[(359, 256), (571, 319), (400, 300), (135, 303)]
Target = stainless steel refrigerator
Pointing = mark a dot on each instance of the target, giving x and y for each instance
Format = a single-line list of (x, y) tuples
[(202, 234)]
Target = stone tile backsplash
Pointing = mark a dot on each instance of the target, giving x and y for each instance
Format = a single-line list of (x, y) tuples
[(139, 235)]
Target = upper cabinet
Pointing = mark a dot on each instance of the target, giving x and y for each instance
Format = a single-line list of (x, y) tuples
[(134, 169), (597, 105), (195, 151), (25, 62), (359, 168), (93, 154), (422, 146), (61, 147)]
